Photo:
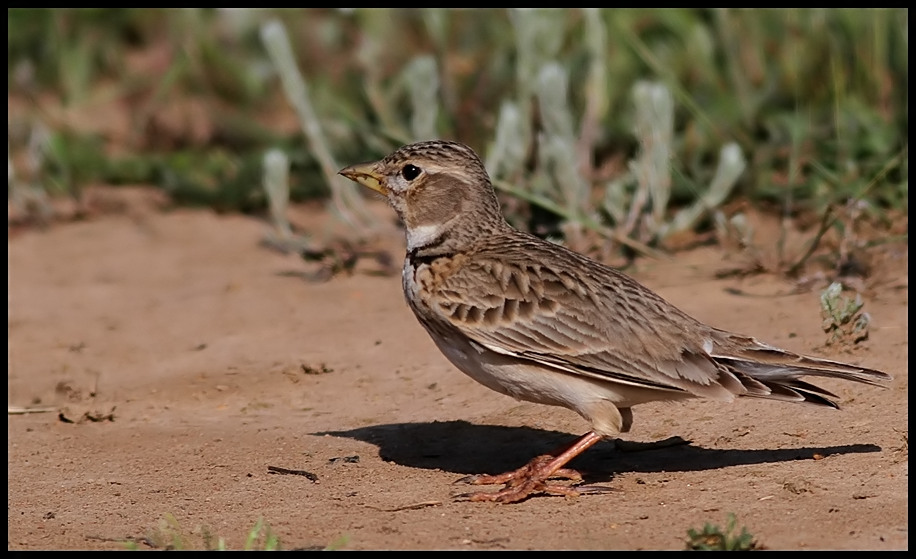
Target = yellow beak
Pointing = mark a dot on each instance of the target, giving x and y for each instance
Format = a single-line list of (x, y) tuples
[(365, 175)]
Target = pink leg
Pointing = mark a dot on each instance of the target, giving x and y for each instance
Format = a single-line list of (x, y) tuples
[(533, 477)]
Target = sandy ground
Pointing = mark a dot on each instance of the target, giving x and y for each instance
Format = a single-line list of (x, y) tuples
[(179, 361)]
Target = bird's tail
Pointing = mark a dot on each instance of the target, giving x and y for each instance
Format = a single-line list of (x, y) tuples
[(769, 372)]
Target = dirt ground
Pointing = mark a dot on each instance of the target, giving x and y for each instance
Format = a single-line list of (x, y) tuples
[(177, 360)]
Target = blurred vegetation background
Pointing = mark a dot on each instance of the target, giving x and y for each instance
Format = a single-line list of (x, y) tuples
[(632, 124)]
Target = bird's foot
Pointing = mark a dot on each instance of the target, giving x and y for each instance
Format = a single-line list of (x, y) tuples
[(532, 478), (538, 467), (527, 488)]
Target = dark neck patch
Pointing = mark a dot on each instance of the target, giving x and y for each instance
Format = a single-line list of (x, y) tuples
[(422, 255), (429, 252)]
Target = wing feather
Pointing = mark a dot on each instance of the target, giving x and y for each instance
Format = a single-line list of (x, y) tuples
[(580, 317)]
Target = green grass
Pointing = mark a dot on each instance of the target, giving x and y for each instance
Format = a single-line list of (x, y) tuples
[(812, 101), (170, 535), (713, 538)]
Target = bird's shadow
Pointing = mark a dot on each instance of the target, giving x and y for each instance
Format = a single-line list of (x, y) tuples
[(466, 448)]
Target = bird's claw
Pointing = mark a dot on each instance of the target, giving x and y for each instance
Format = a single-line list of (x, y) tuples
[(522, 490)]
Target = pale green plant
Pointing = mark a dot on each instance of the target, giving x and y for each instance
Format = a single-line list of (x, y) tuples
[(561, 177), (276, 185), (261, 534), (730, 167), (376, 26), (638, 202), (596, 88), (437, 22), (538, 39), (29, 196), (654, 127), (506, 156), (338, 543), (346, 200), (844, 320), (421, 78), (654, 116)]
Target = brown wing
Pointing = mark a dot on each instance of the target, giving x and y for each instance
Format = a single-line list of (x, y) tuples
[(540, 302)]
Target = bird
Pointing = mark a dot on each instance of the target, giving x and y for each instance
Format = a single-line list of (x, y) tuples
[(536, 321)]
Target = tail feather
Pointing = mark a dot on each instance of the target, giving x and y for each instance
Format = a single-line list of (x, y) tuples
[(768, 372), (786, 391), (770, 362)]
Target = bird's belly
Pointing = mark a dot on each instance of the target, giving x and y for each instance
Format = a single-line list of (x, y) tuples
[(523, 381), (597, 402)]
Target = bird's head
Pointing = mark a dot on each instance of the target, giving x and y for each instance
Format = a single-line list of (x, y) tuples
[(434, 187)]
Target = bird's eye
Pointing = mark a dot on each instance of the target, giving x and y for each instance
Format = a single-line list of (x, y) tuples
[(410, 172)]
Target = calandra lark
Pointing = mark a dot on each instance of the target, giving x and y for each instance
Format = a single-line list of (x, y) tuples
[(536, 321)]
